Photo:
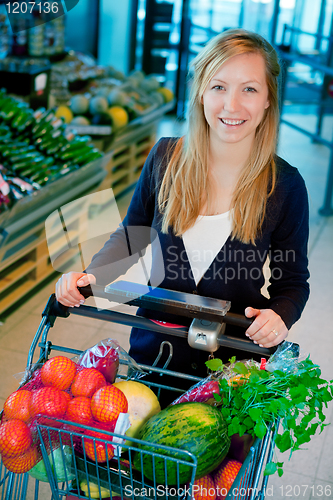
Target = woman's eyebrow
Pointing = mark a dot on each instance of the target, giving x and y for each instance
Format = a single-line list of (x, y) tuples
[(251, 81), (243, 83)]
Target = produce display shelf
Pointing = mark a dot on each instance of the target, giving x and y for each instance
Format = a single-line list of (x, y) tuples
[(11, 298), (118, 174), (119, 186), (27, 276), (13, 249), (12, 277), (128, 153), (24, 256)]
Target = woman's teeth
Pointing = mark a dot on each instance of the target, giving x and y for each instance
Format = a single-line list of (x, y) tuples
[(232, 122)]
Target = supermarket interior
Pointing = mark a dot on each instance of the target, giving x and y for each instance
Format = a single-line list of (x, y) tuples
[(84, 96)]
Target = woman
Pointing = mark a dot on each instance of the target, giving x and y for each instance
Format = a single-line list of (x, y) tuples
[(221, 202)]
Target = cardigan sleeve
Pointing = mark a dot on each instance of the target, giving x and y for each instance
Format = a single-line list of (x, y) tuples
[(289, 288), (129, 242)]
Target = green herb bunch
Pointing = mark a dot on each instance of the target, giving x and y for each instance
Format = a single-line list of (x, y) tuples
[(257, 399)]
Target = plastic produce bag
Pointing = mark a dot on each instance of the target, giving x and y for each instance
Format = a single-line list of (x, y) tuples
[(203, 391), (60, 462), (285, 358), (105, 357)]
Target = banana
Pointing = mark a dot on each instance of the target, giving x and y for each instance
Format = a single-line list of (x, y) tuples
[(95, 492)]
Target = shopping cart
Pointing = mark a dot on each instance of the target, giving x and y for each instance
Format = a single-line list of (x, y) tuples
[(118, 475)]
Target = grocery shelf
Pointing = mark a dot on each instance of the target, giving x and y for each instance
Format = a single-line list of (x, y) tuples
[(24, 255), (12, 277), (128, 153)]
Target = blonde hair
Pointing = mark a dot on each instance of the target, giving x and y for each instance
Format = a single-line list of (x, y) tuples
[(185, 183)]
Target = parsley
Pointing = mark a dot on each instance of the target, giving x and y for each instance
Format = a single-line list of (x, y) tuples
[(259, 399)]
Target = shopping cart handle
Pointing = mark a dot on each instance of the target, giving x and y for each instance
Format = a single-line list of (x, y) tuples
[(54, 309), (86, 291), (238, 320)]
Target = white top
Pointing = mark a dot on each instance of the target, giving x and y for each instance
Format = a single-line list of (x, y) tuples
[(204, 240)]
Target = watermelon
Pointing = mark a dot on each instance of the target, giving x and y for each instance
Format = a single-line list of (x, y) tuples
[(193, 427)]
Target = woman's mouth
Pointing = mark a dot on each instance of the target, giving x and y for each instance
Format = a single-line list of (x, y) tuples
[(231, 122)]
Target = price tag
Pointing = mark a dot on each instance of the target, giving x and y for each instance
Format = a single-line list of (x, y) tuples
[(91, 129)]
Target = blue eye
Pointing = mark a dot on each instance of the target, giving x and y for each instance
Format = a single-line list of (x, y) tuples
[(250, 89), (218, 87)]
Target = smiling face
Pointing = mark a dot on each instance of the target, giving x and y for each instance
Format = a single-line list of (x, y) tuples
[(235, 100)]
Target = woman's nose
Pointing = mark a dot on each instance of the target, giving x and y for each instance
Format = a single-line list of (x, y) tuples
[(231, 102)]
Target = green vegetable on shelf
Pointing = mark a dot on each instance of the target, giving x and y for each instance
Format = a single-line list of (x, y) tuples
[(22, 120), (90, 156), (17, 149), (36, 148), (76, 143), (70, 154)]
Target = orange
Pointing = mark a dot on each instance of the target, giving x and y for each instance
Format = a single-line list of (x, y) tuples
[(21, 463), (15, 438), (107, 403), (58, 372), (79, 411), (17, 405), (225, 476), (87, 381), (99, 450), (204, 489), (49, 401)]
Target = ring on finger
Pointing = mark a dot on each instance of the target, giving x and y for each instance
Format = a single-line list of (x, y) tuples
[(275, 332)]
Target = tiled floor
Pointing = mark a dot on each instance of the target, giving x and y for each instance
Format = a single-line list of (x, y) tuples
[(309, 473)]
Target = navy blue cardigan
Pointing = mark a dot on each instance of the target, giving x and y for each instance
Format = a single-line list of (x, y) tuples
[(236, 274)]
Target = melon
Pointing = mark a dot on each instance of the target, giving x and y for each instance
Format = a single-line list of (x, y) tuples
[(117, 97), (142, 404), (149, 84), (134, 81), (98, 104), (79, 104), (158, 98), (114, 73), (195, 428), (138, 74), (80, 120), (103, 91)]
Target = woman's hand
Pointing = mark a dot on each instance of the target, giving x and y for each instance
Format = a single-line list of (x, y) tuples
[(66, 288), (268, 329)]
